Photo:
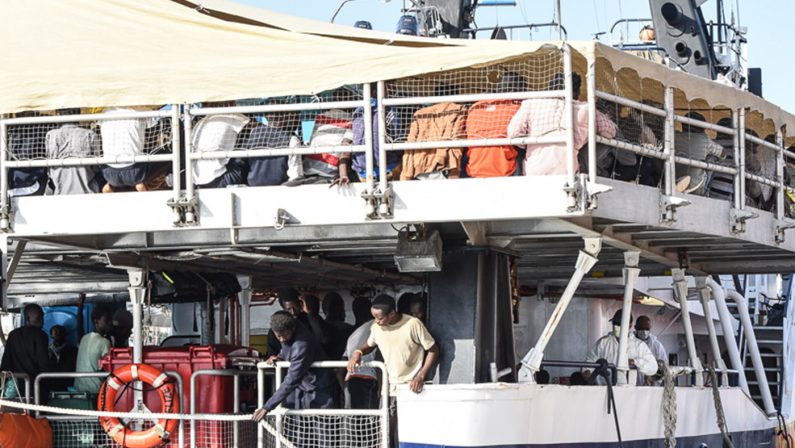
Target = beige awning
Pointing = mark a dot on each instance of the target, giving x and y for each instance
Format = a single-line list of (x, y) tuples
[(87, 53)]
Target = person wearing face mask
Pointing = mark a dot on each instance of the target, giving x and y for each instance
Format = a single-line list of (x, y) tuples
[(638, 353), (643, 332)]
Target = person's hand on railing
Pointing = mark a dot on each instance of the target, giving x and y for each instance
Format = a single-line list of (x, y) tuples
[(417, 383), (355, 361), (272, 360), (259, 414)]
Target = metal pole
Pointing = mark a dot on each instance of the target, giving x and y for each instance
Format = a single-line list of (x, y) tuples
[(236, 410), (279, 418), (560, 20), (384, 405), (368, 138), (531, 363), (668, 148), (704, 296), (780, 175), (753, 347), (739, 162), (176, 141), (5, 219), (591, 87), (741, 140), (245, 309), (190, 192), (260, 404), (137, 292), (383, 208), (680, 288), (631, 273), (728, 332), (339, 8), (569, 114)]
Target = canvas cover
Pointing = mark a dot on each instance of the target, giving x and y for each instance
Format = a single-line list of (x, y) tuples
[(85, 53)]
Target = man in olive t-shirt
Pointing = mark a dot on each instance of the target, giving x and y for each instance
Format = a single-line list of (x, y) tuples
[(92, 348), (403, 341)]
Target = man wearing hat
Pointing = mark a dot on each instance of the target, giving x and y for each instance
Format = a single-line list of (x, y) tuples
[(638, 352)]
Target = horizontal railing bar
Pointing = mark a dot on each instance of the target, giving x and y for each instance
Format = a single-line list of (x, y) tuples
[(467, 98), (789, 154), (269, 108), (705, 165), (105, 116), (246, 153), (637, 149), (763, 180), (761, 142), (336, 412), (704, 125), (473, 143), (629, 103), (89, 161)]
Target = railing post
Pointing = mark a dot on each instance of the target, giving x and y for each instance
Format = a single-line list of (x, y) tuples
[(369, 159), (668, 142), (384, 208), (277, 380), (5, 201), (568, 112), (236, 409), (384, 406), (591, 87), (176, 181), (245, 309), (260, 404), (741, 143), (190, 193), (739, 162), (780, 175)]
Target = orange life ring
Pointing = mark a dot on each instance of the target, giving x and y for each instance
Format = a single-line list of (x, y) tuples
[(154, 436)]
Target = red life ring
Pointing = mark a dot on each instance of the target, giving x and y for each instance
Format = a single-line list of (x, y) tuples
[(154, 436)]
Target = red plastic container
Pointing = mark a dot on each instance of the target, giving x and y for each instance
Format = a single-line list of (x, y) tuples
[(214, 394)]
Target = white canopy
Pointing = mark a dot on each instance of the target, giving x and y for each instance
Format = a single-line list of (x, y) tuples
[(88, 53)]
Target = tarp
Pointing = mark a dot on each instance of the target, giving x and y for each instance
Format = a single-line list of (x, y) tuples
[(87, 53), (91, 53)]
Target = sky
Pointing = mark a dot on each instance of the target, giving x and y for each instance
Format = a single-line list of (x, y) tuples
[(769, 46)]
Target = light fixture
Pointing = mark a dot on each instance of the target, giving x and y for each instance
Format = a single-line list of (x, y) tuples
[(418, 250)]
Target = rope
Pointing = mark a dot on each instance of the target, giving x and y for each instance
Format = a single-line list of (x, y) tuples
[(727, 441), (783, 431), (669, 408)]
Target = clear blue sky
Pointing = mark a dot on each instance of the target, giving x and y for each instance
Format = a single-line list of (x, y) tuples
[(770, 44)]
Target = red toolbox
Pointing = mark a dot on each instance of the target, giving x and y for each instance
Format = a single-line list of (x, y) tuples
[(214, 394)]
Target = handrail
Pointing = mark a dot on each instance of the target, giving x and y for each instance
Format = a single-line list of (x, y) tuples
[(236, 396), (49, 375), (382, 412), (23, 376)]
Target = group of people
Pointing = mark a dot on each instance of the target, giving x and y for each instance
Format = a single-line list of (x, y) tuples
[(645, 353), (28, 349), (391, 331)]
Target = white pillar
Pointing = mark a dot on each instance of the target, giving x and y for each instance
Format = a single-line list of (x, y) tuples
[(704, 296), (531, 363), (137, 293), (245, 309), (680, 288), (718, 293), (631, 273)]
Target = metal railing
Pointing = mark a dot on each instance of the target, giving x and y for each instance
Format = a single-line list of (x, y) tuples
[(382, 413), (60, 375), (14, 376), (235, 374)]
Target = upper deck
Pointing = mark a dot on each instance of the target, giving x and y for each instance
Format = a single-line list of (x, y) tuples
[(733, 217)]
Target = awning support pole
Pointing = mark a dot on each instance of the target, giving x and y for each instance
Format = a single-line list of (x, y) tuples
[(631, 273), (680, 288), (531, 363), (137, 290), (704, 296)]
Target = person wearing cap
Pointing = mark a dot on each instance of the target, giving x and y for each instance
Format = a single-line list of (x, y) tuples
[(638, 353)]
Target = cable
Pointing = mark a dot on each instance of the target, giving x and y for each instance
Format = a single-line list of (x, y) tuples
[(604, 371)]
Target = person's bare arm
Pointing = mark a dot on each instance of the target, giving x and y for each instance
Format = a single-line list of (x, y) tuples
[(430, 360), (356, 357)]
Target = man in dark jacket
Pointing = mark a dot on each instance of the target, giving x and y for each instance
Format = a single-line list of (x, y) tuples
[(27, 348), (303, 386), (290, 301)]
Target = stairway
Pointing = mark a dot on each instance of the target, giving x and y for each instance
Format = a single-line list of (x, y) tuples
[(769, 338)]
